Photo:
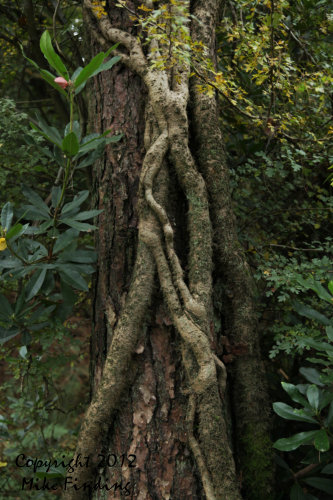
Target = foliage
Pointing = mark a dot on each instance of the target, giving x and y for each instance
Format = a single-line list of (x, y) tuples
[(43, 267), (315, 399)]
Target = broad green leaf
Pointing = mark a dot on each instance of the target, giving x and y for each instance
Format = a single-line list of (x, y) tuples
[(79, 256), (88, 70), (293, 442), (329, 418), (320, 483), (74, 279), (313, 396), (330, 286), (328, 469), (76, 73), (87, 214), (320, 346), (317, 287), (329, 332), (80, 226), (296, 493), (289, 413), (294, 394), (108, 65), (76, 128), (310, 313), (56, 195), (77, 201), (65, 239), (51, 56), (321, 441), (90, 145), (325, 398), (14, 231), (6, 335), (92, 157), (6, 216), (49, 78), (70, 144), (35, 283), (50, 136), (312, 375), (69, 298), (5, 308), (114, 138)]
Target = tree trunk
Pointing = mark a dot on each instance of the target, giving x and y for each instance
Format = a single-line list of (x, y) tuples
[(161, 401)]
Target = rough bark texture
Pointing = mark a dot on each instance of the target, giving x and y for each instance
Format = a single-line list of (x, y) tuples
[(158, 383)]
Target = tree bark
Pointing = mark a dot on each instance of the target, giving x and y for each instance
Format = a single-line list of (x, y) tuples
[(158, 397)]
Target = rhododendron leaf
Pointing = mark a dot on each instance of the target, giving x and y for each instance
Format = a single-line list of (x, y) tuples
[(51, 56), (80, 226), (49, 78), (35, 199), (7, 334), (73, 205), (35, 284), (56, 194), (6, 216), (70, 144), (74, 279), (89, 70), (107, 65), (293, 442)]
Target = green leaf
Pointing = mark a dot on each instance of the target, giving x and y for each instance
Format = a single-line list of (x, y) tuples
[(87, 214), (70, 144), (289, 413), (310, 313), (56, 195), (330, 286), (35, 200), (77, 201), (329, 418), (296, 493), (50, 135), (313, 396), (5, 308), (89, 70), (312, 375), (15, 231), (6, 216), (80, 256), (76, 128), (35, 283), (80, 226), (321, 441), (294, 394), (329, 332), (108, 65), (74, 279), (320, 483), (51, 56), (328, 469), (293, 442), (49, 78), (317, 287), (65, 239), (6, 335), (92, 157)]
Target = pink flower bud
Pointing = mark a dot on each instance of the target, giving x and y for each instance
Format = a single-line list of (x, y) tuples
[(61, 82)]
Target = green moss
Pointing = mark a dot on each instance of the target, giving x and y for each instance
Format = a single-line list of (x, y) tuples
[(258, 468)]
